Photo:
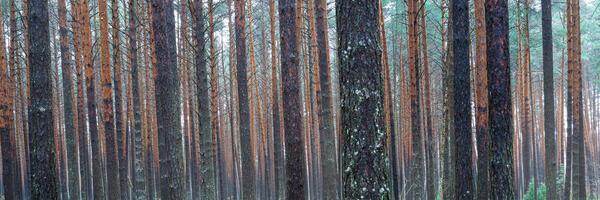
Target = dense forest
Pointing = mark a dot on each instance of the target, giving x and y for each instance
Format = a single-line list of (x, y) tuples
[(300, 99)]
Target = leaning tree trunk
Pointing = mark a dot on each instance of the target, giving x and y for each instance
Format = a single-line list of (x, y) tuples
[(43, 180), (167, 101), (364, 156)]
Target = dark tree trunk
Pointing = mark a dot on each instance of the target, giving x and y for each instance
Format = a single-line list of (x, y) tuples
[(329, 163), (292, 118), (167, 101), (364, 158), (139, 175), (41, 142), (462, 104), (278, 159), (500, 106), (207, 184), (248, 175), (549, 120), (10, 176)]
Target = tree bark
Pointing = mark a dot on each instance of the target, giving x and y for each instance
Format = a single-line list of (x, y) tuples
[(364, 158), (416, 154), (111, 145), (167, 101), (248, 176), (481, 99), (10, 165), (462, 115), (500, 113), (549, 120), (290, 58), (42, 156)]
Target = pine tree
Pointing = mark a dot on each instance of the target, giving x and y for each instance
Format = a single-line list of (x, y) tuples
[(462, 115), (481, 100), (500, 113), (248, 177), (290, 68), (549, 120), (42, 156), (10, 166), (167, 101), (365, 162)]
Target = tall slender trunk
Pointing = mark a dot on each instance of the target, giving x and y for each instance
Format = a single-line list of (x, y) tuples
[(214, 103), (10, 166), (500, 113), (549, 120), (417, 155), (248, 176), (329, 163), (70, 108), (575, 88), (481, 99), (120, 118), (430, 140), (462, 115), (167, 101), (290, 62), (111, 145), (277, 123), (139, 176)]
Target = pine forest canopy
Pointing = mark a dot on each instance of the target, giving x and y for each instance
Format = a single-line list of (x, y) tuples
[(299, 99)]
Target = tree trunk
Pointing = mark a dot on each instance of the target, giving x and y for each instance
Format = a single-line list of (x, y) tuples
[(416, 157), (549, 120), (364, 157), (139, 176), (10, 165), (167, 101), (43, 163), (248, 176), (290, 62), (429, 141), (575, 88), (462, 115), (120, 118), (70, 108), (211, 191), (111, 145), (500, 113), (277, 123), (481, 99)]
